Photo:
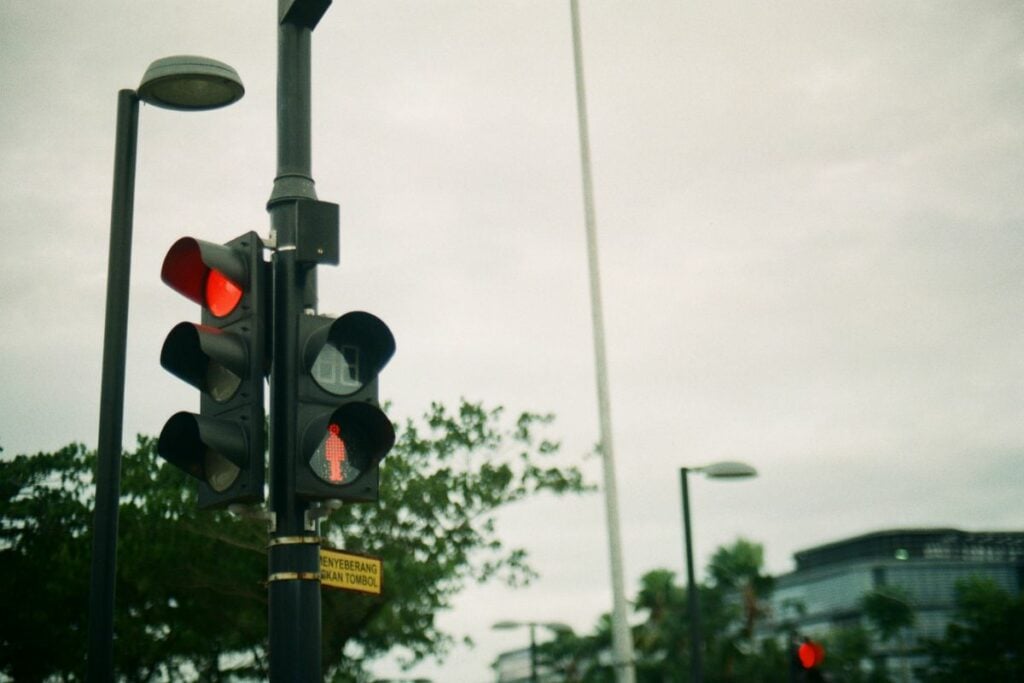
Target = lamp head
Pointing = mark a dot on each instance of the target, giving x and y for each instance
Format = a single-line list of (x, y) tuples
[(728, 470), (507, 625), (558, 626), (190, 83)]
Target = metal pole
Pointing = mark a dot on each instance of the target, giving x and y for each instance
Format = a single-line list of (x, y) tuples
[(533, 653), (103, 574), (692, 597), (622, 641), (294, 625)]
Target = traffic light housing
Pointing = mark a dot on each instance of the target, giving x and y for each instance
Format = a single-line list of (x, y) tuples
[(342, 433), (225, 357)]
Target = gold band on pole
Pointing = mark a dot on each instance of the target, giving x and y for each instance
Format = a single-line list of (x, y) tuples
[(294, 576), (294, 540)]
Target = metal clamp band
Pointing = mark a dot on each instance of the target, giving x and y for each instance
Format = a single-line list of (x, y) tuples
[(294, 576), (294, 540)]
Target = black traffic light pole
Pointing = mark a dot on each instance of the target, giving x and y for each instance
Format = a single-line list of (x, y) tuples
[(293, 555)]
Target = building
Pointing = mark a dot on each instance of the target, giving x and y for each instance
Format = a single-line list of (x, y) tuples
[(825, 590), (516, 666), (513, 666)]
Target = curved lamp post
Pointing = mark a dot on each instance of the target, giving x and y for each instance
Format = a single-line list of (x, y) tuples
[(553, 625), (718, 470), (186, 83)]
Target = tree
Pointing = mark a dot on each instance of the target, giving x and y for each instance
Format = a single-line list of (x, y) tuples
[(848, 649), (739, 591), (985, 640), (737, 569), (731, 605), (663, 639), (580, 659), (191, 592), (890, 612)]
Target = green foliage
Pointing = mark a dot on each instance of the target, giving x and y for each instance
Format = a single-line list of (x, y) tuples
[(191, 591), (730, 608), (738, 569), (985, 641), (435, 525), (734, 604), (166, 592), (664, 635), (889, 611), (578, 659), (737, 564), (44, 548), (848, 649)]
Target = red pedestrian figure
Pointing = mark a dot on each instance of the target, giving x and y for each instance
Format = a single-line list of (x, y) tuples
[(335, 452)]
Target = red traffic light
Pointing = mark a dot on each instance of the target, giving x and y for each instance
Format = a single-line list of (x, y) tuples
[(222, 295), (810, 654), (212, 275), (225, 357)]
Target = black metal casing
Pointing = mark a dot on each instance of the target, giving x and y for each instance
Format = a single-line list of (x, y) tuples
[(339, 363), (226, 358)]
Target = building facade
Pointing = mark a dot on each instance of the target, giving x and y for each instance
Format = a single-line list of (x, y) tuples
[(518, 666), (825, 590)]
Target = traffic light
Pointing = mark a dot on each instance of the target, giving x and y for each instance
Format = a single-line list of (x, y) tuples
[(342, 434), (225, 357), (808, 656)]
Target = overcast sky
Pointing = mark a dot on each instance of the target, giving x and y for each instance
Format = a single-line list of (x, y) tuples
[(811, 232)]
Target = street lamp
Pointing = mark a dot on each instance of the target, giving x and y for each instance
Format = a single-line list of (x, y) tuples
[(184, 83), (553, 625), (189, 83), (718, 470)]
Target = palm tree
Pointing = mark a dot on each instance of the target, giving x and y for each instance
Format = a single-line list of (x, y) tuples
[(741, 592), (890, 612), (661, 640), (737, 569)]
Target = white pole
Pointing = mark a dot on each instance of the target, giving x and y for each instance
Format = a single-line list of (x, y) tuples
[(622, 641)]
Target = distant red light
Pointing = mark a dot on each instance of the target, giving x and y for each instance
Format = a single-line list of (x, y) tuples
[(811, 654), (222, 295)]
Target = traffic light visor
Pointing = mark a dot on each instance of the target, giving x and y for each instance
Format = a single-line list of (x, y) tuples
[(212, 275), (205, 449), (349, 353), (209, 359)]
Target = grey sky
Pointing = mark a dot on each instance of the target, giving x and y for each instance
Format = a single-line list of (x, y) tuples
[(810, 221)]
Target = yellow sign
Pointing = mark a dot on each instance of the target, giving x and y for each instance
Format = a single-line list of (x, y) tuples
[(351, 572)]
